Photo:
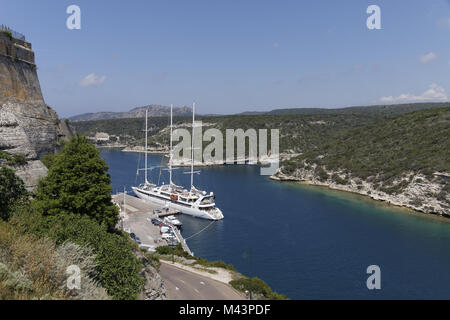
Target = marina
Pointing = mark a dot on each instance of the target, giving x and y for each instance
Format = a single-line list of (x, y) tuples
[(136, 217), (351, 231)]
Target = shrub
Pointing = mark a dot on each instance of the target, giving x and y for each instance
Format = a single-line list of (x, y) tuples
[(12, 192), (69, 254), (322, 174), (48, 160), (17, 159), (260, 289), (8, 33), (28, 269), (177, 251), (117, 267)]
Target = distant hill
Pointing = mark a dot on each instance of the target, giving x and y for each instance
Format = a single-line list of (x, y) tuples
[(385, 110), (404, 160), (154, 110), (164, 111)]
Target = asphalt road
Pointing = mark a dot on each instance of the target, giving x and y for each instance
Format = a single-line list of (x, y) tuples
[(185, 285)]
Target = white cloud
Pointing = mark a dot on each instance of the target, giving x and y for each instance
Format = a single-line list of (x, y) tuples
[(92, 79), (428, 57), (434, 93)]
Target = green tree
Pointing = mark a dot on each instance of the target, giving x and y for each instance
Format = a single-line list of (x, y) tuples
[(78, 183), (12, 190)]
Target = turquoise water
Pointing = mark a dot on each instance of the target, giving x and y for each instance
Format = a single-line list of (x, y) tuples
[(309, 242)]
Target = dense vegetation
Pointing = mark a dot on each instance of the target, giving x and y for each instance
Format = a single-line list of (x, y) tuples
[(71, 220), (117, 268), (69, 187), (300, 129), (34, 267), (178, 251), (12, 159), (384, 152), (12, 191), (260, 290)]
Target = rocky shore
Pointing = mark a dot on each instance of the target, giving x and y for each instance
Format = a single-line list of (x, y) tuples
[(420, 194)]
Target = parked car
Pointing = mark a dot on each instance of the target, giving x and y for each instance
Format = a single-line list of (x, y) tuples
[(156, 222), (165, 229), (133, 236), (168, 236), (157, 211), (138, 240)]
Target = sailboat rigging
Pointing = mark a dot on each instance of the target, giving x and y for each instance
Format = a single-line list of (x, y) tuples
[(193, 202)]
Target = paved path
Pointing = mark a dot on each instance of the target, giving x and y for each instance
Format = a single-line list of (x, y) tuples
[(184, 285)]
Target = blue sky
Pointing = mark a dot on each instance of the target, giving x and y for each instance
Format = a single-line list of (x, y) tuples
[(233, 56)]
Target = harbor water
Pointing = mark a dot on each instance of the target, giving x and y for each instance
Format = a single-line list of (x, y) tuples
[(307, 242)]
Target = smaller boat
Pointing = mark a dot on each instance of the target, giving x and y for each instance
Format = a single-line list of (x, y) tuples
[(173, 221)]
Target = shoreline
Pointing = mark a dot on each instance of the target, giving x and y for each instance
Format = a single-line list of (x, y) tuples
[(382, 200)]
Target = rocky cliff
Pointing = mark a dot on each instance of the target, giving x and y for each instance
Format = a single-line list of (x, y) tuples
[(27, 125), (421, 194)]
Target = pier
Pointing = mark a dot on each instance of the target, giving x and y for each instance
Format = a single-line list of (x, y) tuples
[(135, 217)]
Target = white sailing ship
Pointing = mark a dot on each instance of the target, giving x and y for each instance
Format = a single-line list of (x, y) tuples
[(193, 202)]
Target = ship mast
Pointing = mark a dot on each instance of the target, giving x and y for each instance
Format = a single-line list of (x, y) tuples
[(192, 147), (146, 136), (170, 151)]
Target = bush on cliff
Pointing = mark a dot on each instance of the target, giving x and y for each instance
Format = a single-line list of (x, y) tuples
[(117, 267), (78, 183), (12, 191), (260, 289)]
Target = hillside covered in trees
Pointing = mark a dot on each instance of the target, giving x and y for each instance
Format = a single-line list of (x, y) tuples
[(403, 159), (299, 128), (399, 154)]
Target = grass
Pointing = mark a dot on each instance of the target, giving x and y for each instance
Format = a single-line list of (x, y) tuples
[(28, 266)]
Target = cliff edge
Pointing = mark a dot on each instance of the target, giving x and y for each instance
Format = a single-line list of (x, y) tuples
[(27, 125)]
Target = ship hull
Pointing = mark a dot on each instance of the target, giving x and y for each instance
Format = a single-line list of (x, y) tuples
[(194, 212)]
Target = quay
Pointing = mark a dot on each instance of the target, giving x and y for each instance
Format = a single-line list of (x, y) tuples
[(135, 217)]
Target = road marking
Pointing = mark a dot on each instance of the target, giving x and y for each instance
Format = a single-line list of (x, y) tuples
[(182, 281), (196, 290)]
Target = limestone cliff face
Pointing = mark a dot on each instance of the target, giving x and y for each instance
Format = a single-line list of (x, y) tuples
[(27, 125)]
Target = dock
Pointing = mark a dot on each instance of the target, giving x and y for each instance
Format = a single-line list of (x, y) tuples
[(136, 215)]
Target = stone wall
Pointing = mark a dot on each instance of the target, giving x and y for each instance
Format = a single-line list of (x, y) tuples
[(27, 125)]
